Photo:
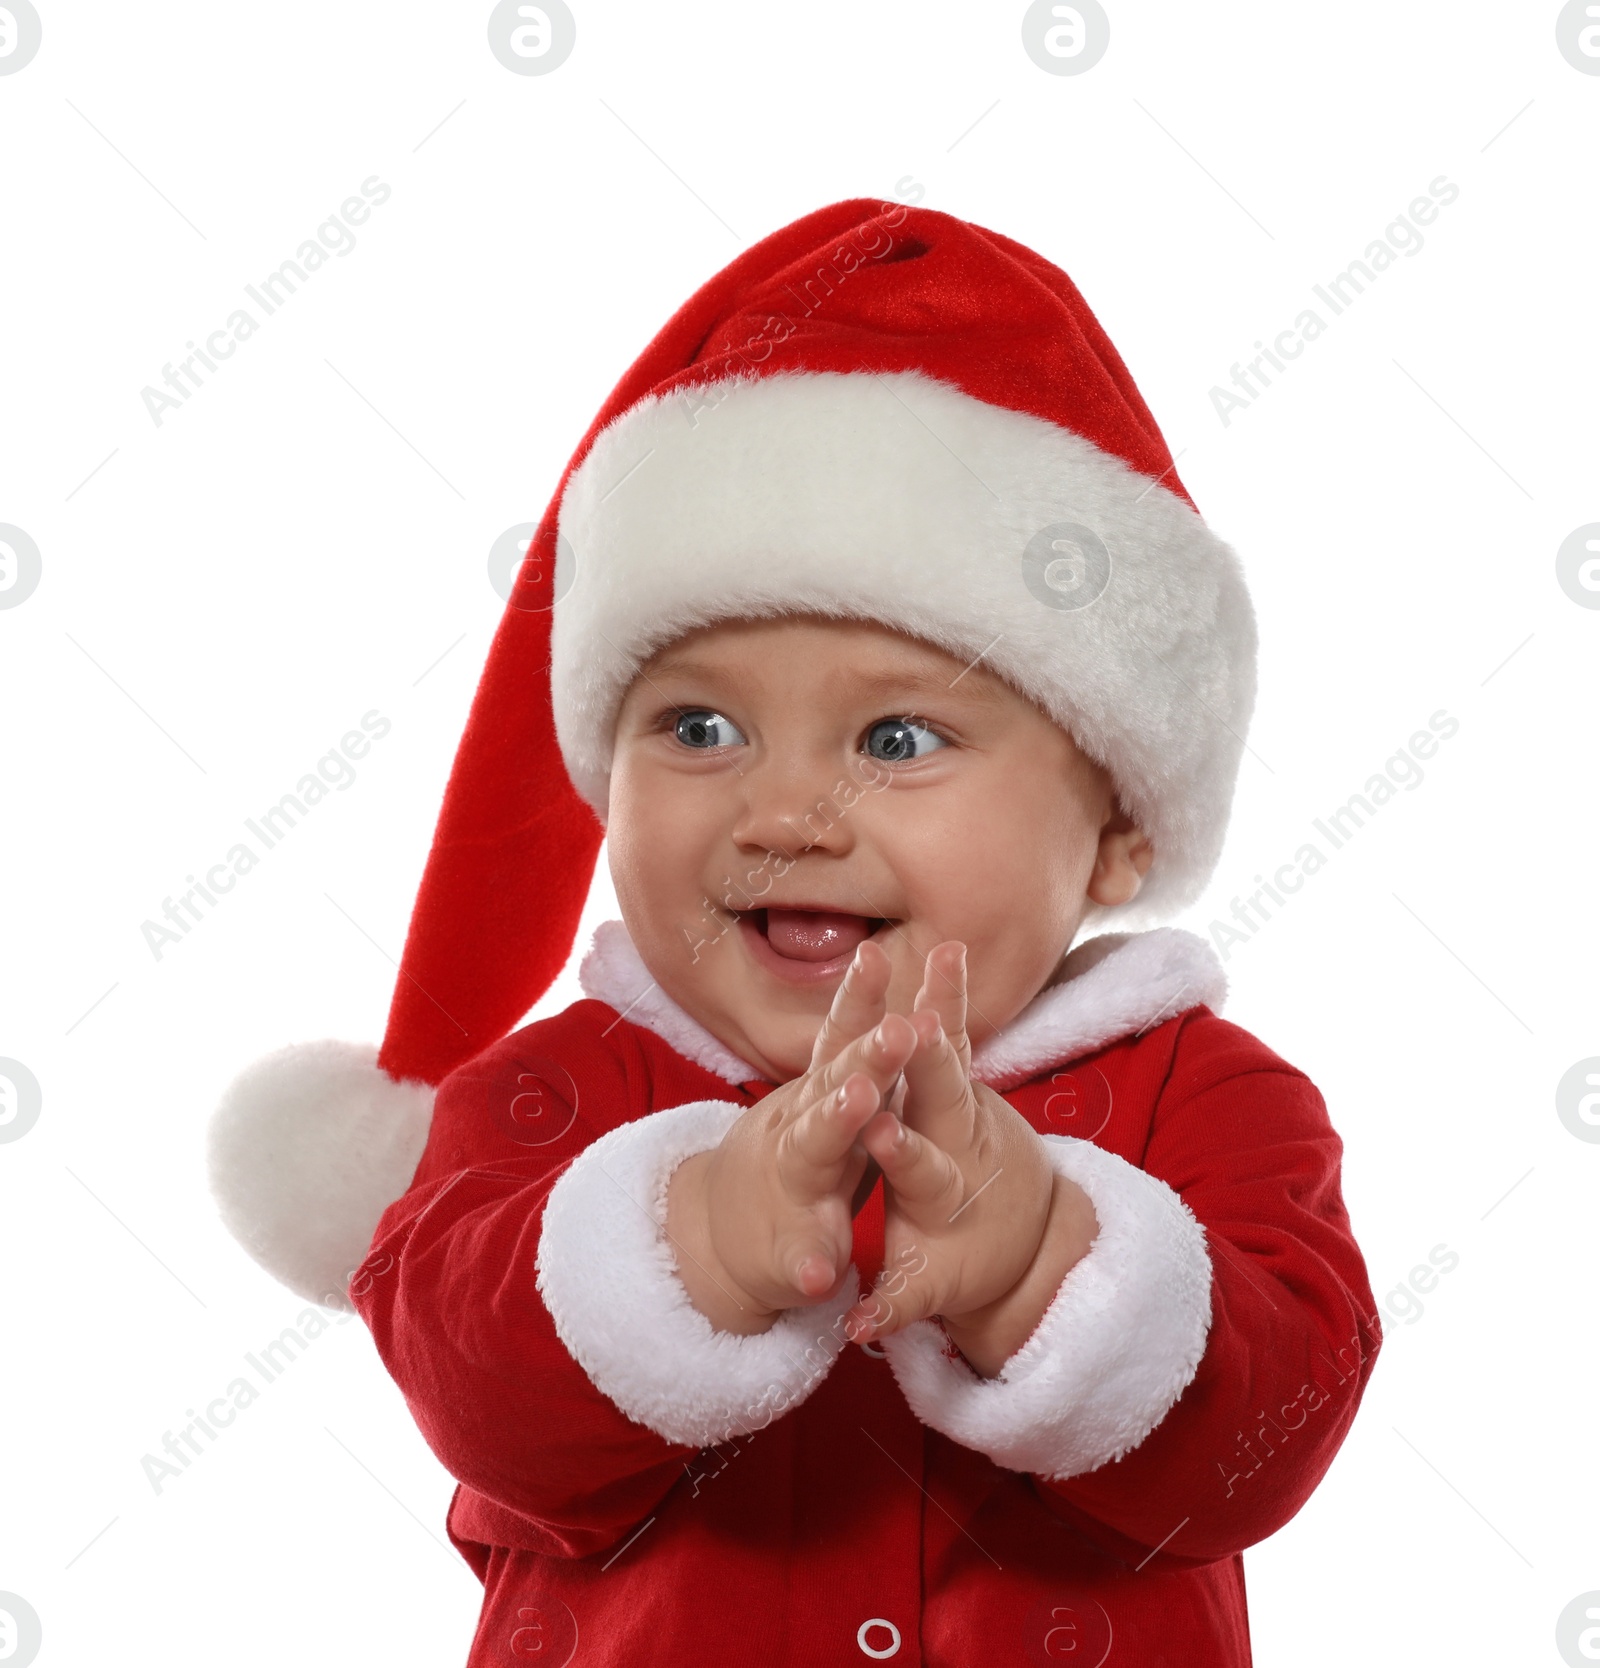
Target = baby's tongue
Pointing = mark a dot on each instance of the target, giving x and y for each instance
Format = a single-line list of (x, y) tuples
[(814, 935)]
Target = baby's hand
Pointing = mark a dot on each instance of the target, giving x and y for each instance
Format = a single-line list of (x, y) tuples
[(971, 1201), (762, 1222)]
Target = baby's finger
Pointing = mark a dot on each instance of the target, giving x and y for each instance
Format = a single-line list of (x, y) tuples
[(839, 1100), (881, 1054), (858, 1004), (810, 1265), (891, 1306), (925, 1180), (939, 1096), (944, 992), (813, 1147)]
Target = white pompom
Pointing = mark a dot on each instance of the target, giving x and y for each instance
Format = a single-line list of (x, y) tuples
[(306, 1149)]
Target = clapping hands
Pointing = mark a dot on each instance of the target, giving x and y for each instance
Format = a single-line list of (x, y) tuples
[(763, 1221)]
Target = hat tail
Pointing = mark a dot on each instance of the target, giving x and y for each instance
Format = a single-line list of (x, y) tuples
[(310, 1144), (514, 851)]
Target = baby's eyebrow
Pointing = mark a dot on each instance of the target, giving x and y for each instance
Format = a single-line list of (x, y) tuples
[(887, 682), (892, 682), (669, 664)]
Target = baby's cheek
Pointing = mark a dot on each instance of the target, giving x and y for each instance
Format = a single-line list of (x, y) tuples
[(652, 862)]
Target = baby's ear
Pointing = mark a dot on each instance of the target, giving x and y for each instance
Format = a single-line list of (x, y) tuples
[(1122, 861)]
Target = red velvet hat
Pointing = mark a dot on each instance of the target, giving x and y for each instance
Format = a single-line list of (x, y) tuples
[(878, 412)]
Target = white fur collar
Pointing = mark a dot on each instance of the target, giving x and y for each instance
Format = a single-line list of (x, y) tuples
[(1111, 986), (614, 973)]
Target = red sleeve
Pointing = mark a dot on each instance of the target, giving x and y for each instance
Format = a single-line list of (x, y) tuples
[(449, 1290), (1249, 1148)]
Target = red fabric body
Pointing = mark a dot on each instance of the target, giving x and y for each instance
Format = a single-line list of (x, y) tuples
[(859, 286), (775, 1548)]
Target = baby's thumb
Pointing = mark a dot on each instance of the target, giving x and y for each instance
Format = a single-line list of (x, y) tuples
[(810, 1266), (891, 1306)]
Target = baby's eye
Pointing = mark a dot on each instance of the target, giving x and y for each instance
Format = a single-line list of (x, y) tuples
[(897, 739), (700, 727)]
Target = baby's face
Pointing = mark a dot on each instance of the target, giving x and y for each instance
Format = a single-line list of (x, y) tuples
[(784, 789)]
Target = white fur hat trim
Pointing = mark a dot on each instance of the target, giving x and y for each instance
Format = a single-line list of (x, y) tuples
[(902, 499)]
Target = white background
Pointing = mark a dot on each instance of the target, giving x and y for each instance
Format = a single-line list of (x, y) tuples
[(305, 540)]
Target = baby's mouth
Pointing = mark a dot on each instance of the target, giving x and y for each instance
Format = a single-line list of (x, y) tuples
[(813, 935)]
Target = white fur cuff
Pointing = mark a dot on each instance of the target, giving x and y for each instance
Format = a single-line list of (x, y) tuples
[(608, 1276), (1115, 1350)]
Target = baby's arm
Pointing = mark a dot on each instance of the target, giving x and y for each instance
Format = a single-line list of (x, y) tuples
[(1201, 1366), (449, 1290), (522, 1294), (1292, 1335)]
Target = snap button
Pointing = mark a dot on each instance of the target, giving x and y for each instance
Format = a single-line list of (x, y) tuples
[(891, 1649)]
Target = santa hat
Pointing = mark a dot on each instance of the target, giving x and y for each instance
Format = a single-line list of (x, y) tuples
[(878, 412)]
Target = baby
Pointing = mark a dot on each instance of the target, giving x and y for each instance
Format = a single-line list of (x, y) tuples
[(870, 1266)]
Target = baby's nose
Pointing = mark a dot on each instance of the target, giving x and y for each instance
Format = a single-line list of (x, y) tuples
[(796, 807)]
